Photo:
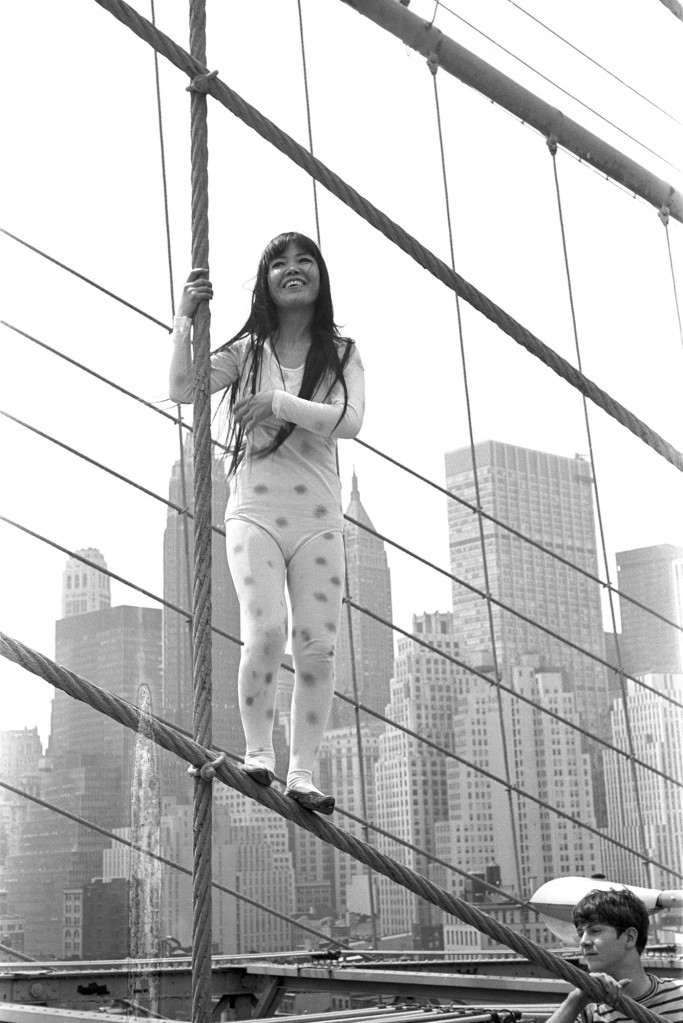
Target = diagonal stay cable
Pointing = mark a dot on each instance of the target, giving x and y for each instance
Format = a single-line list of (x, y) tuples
[(377, 715), (47, 805), (389, 228), (219, 530), (179, 421), (87, 280), (593, 61), (412, 472), (555, 85), (190, 751)]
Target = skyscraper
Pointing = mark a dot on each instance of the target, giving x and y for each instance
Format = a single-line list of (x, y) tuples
[(177, 657), (654, 577), (369, 584), (426, 694), (550, 499)]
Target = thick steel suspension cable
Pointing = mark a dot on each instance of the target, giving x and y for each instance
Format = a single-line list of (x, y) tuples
[(173, 864), (433, 65), (188, 750), (201, 588), (552, 146), (333, 183)]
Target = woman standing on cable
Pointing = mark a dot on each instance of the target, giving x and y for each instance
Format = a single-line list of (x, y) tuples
[(294, 386)]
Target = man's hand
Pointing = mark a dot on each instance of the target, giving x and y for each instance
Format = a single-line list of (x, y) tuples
[(611, 987)]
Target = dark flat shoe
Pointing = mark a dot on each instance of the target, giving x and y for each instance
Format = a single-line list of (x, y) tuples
[(258, 774), (312, 801)]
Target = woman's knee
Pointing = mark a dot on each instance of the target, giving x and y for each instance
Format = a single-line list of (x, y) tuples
[(313, 657)]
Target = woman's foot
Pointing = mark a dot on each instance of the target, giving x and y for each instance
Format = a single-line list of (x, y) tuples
[(301, 788), (258, 771), (313, 800)]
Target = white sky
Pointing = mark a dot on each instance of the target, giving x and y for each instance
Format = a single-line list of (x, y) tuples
[(82, 181)]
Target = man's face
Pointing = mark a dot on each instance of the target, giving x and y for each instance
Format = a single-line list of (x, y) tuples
[(603, 949)]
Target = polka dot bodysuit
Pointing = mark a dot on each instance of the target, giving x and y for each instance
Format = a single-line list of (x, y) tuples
[(284, 527)]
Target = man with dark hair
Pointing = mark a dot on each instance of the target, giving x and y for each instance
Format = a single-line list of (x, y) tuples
[(612, 927)]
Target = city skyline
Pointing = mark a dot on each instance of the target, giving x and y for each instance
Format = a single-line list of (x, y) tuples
[(429, 695)]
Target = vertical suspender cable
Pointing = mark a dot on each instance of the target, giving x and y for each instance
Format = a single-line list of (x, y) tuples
[(433, 65), (349, 620), (179, 408), (308, 118), (552, 146), (201, 593), (664, 217)]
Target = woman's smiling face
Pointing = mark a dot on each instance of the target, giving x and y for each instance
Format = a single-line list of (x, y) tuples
[(293, 278)]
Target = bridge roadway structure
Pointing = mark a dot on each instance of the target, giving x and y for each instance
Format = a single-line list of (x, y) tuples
[(494, 987)]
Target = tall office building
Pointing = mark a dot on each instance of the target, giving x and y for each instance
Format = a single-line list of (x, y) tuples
[(369, 584), (654, 577), (550, 499), (177, 657), (656, 820), (426, 695), (545, 760)]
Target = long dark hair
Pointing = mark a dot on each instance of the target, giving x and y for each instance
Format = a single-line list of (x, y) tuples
[(326, 358)]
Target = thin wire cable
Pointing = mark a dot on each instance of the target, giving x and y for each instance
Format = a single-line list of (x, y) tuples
[(664, 217), (601, 527), (171, 288), (146, 851), (308, 117), (593, 61), (559, 87), (87, 280), (433, 66)]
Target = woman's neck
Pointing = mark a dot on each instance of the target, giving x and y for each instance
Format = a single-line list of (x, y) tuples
[(292, 339)]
